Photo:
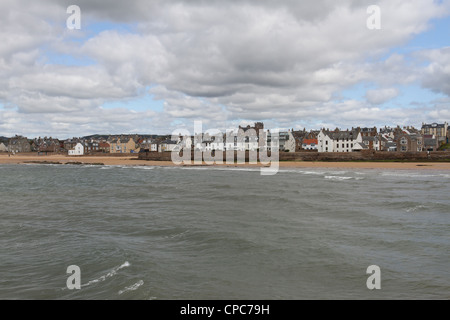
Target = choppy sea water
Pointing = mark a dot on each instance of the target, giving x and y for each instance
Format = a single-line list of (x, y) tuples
[(222, 233)]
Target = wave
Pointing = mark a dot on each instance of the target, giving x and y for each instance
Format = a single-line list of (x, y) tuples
[(409, 175), (413, 209), (132, 288), (110, 274), (337, 178), (340, 178), (240, 169), (177, 235), (143, 167), (105, 167), (311, 172), (336, 172)]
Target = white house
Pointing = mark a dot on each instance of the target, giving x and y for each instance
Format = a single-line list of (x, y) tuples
[(167, 146), (309, 144), (153, 147), (340, 141), (217, 143), (77, 151), (185, 142), (3, 148), (290, 144)]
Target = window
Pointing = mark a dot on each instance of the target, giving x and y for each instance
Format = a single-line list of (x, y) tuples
[(403, 148), (403, 140), (347, 144), (326, 142)]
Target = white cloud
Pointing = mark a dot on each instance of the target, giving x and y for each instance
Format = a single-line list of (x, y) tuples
[(381, 96), (220, 62), (437, 74)]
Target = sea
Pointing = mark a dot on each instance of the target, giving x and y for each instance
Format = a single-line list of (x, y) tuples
[(222, 233)]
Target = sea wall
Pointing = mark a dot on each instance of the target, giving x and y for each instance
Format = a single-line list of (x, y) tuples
[(327, 156)]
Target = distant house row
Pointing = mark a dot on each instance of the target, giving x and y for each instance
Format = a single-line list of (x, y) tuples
[(429, 138), (407, 139)]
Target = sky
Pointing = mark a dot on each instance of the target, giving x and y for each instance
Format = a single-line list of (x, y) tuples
[(155, 67)]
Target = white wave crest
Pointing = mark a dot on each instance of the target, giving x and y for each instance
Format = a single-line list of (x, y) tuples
[(132, 288), (338, 178), (110, 274), (413, 209)]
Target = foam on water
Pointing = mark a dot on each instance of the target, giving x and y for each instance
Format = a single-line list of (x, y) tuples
[(132, 288), (339, 178), (415, 208), (110, 274), (409, 175)]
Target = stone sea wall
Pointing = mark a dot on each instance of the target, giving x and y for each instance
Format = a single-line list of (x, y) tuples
[(327, 156)]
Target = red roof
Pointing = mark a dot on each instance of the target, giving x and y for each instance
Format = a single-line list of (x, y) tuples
[(310, 141)]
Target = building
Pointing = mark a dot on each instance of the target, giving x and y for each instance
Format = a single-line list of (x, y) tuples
[(390, 146), (104, 147), (78, 150), (310, 144), (46, 145), (298, 138), (167, 146), (153, 147), (70, 144), (440, 131), (217, 143), (430, 143), (123, 145), (3, 147), (284, 141), (369, 132), (372, 142), (409, 142), (91, 147), (340, 141), (19, 144), (290, 144), (185, 142), (448, 135), (260, 134)]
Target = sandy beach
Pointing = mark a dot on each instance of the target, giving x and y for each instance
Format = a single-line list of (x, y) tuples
[(132, 161)]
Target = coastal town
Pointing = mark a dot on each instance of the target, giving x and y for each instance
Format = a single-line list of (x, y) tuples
[(429, 138)]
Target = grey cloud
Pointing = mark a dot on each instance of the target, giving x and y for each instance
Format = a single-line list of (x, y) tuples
[(381, 96), (215, 59), (437, 74)]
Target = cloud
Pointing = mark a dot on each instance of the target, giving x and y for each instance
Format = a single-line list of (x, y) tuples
[(437, 74), (213, 60), (381, 96)]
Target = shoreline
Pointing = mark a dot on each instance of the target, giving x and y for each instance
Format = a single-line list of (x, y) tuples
[(130, 160)]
